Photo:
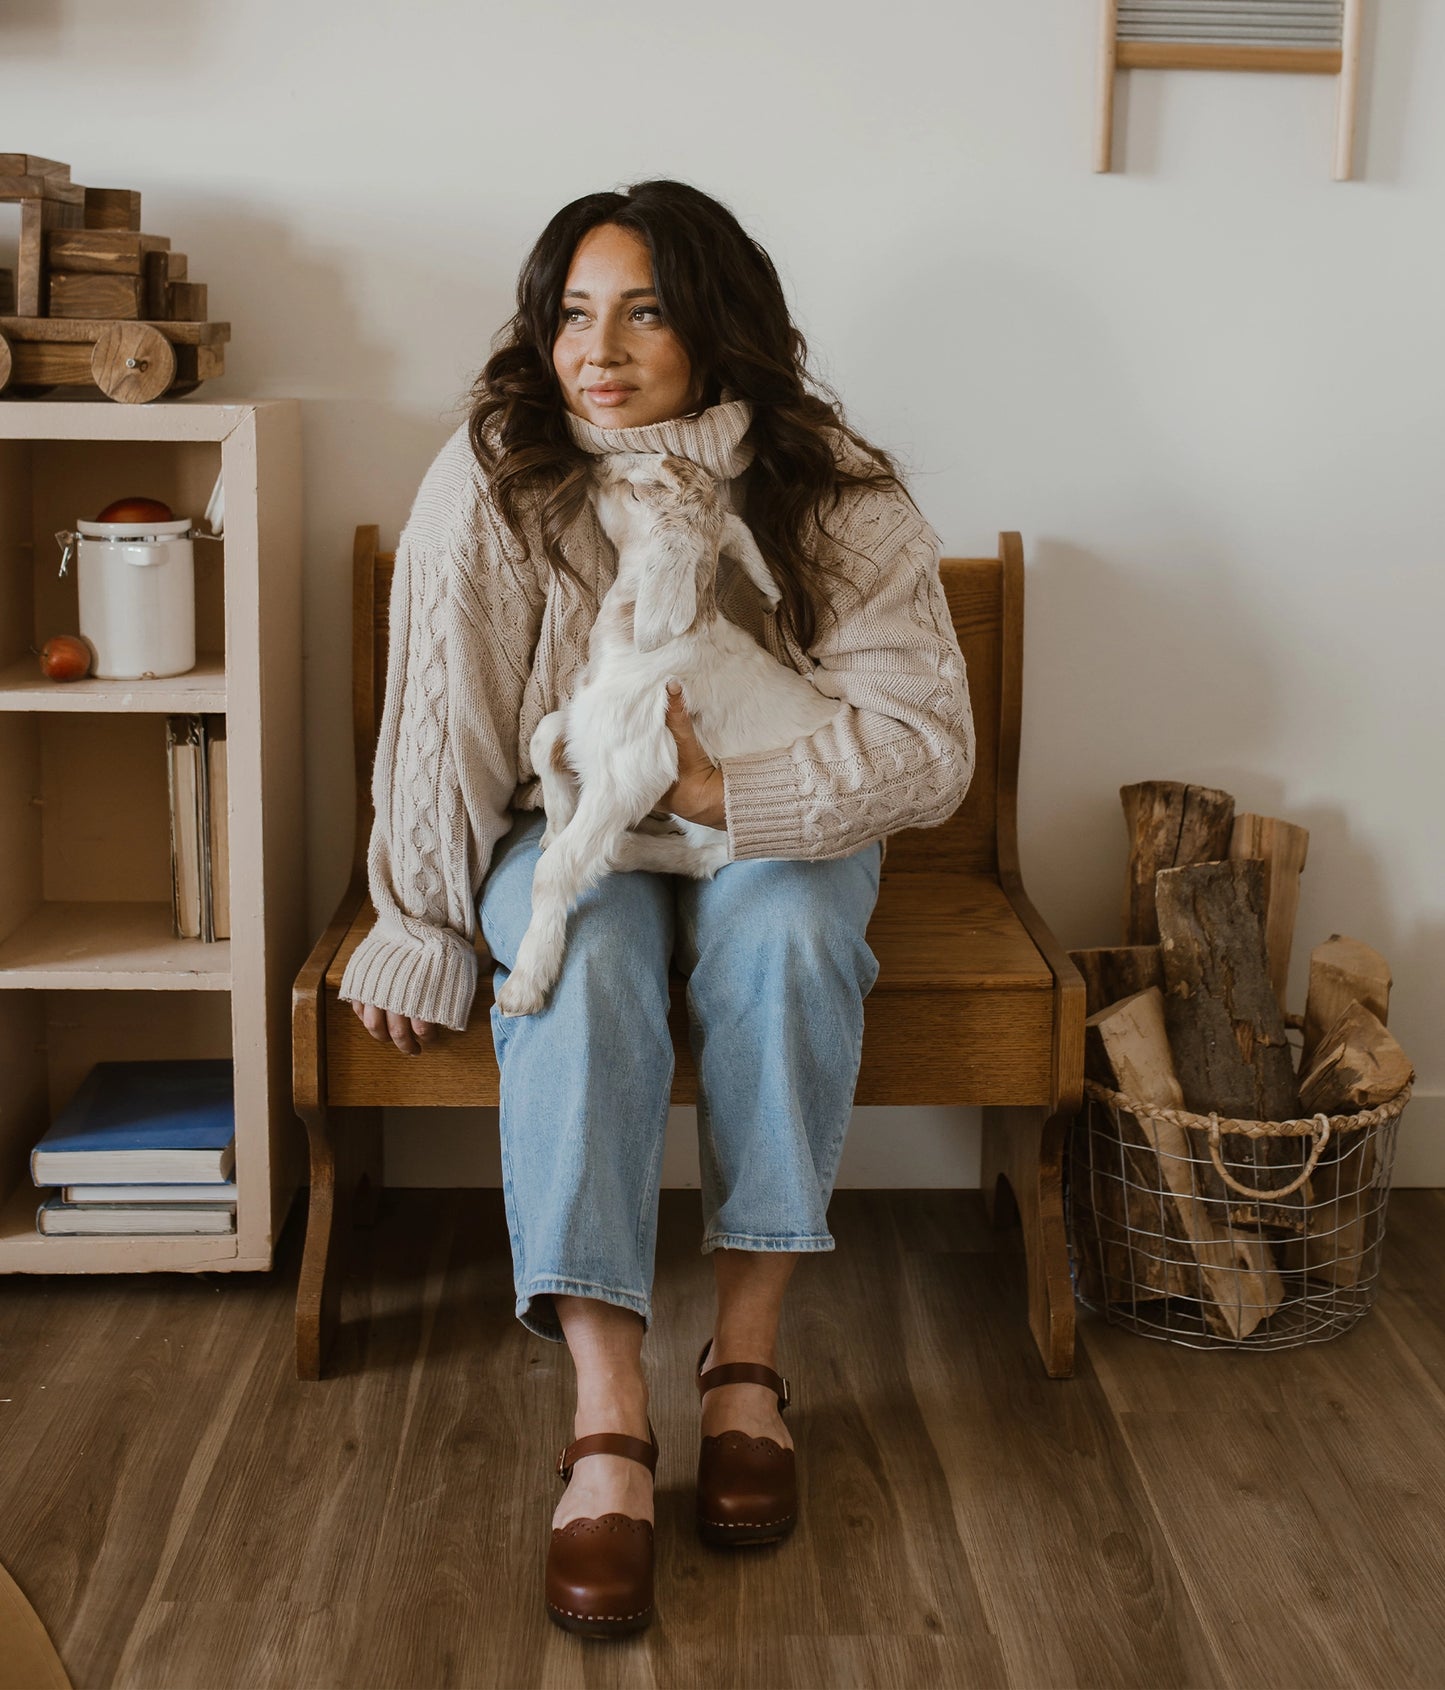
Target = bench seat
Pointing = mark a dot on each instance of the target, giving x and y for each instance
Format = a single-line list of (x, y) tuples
[(963, 1007)]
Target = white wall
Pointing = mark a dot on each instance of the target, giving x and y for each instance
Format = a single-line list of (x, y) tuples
[(1207, 388)]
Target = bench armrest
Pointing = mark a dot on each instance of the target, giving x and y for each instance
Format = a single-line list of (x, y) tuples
[(308, 1009)]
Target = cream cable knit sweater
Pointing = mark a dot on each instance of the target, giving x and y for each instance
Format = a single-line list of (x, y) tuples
[(483, 644)]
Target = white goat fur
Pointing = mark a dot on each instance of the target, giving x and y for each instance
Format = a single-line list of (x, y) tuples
[(607, 756)]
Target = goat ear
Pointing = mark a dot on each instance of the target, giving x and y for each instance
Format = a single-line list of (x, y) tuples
[(666, 599), (738, 542)]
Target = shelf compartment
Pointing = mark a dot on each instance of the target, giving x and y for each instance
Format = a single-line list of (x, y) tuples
[(77, 946), (202, 689), (24, 1250), (51, 1040), (46, 485)]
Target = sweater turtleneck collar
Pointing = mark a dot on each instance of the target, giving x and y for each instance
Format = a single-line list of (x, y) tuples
[(712, 439)]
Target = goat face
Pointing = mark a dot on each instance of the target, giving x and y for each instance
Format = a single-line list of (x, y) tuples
[(666, 518)]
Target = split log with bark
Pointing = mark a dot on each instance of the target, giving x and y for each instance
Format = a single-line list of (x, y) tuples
[(1235, 1281), (1169, 824), (1282, 848), (1226, 1029)]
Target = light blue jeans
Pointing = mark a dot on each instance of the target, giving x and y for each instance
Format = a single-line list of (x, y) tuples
[(777, 969)]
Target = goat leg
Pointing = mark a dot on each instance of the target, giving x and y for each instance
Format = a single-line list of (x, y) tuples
[(559, 785), (668, 853), (576, 861)]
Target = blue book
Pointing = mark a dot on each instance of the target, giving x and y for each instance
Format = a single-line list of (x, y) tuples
[(133, 1121)]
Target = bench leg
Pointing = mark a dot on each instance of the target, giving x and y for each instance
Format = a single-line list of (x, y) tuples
[(318, 1289), (1023, 1152), (345, 1190), (363, 1153)]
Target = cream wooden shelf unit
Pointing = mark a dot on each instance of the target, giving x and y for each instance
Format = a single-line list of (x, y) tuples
[(89, 968)]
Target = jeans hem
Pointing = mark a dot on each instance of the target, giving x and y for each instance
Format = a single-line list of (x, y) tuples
[(750, 1241), (544, 1287)]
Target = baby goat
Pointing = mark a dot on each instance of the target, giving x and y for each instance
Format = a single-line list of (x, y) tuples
[(669, 523)]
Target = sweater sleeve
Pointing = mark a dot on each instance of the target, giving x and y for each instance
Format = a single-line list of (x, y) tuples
[(899, 752), (463, 628)]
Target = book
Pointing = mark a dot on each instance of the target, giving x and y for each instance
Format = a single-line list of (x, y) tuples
[(186, 774), (143, 1121), (218, 828), (55, 1217), (199, 1191)]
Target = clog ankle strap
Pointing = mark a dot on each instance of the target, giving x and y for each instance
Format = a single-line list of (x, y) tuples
[(609, 1443), (741, 1373)]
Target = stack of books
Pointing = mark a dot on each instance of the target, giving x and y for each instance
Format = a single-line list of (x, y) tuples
[(200, 848), (142, 1147)]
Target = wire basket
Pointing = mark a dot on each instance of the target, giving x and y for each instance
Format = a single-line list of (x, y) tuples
[(1226, 1234)]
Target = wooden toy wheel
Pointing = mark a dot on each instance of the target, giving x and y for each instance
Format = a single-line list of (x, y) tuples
[(7, 363), (133, 363)]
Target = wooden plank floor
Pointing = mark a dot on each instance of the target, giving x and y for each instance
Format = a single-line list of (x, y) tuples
[(181, 1512)]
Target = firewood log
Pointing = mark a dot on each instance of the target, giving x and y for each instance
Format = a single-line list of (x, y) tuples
[(1121, 1252), (1282, 848), (1226, 1029), (1342, 971), (1358, 1064), (1238, 1284), (1114, 972), (1343, 1222), (1169, 824)]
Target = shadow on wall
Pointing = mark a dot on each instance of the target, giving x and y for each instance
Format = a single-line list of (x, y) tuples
[(296, 327), (301, 328), (114, 35), (1159, 656), (1183, 668), (1387, 60)]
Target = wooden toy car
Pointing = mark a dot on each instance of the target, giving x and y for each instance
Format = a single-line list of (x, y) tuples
[(94, 302)]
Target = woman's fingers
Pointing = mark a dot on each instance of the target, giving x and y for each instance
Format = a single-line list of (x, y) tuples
[(408, 1034)]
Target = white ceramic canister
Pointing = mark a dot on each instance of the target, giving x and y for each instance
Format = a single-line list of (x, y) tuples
[(137, 596)]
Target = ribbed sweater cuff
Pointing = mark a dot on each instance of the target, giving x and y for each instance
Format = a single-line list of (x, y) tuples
[(434, 982), (763, 806)]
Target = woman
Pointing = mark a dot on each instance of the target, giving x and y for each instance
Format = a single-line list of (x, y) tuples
[(649, 321)]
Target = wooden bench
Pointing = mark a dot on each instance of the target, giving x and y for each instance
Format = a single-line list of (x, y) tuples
[(976, 1001)]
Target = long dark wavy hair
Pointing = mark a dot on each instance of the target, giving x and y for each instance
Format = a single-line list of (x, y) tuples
[(721, 296)]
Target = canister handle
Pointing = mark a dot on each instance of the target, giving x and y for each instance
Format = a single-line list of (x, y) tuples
[(66, 541)]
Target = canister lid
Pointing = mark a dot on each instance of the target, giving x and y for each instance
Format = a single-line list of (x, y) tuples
[(134, 530)]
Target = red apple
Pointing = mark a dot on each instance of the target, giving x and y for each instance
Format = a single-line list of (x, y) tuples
[(65, 658), (136, 510)]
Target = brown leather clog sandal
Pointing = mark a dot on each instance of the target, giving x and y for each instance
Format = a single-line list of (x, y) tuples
[(747, 1488), (599, 1572)]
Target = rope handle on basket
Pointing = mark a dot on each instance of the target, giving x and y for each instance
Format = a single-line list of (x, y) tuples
[(1322, 1138)]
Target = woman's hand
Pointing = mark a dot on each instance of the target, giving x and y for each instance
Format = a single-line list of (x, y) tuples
[(408, 1035), (697, 794)]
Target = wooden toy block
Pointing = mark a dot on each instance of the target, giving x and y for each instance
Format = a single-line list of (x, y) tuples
[(42, 188), (188, 302), (50, 364), (26, 164), (36, 216), (112, 208), (95, 296), (157, 277), (104, 252)]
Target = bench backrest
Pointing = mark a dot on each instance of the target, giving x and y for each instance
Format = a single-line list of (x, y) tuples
[(985, 598)]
